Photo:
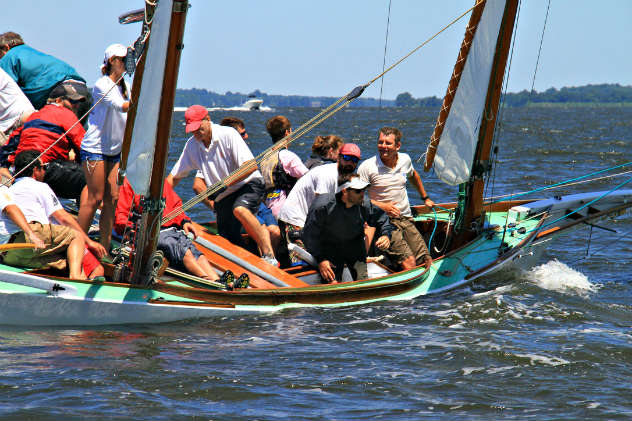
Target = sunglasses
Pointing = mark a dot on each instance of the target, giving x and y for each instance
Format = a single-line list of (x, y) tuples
[(359, 191), (350, 158), (243, 134)]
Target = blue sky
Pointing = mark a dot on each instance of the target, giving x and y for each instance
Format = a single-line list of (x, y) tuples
[(328, 47)]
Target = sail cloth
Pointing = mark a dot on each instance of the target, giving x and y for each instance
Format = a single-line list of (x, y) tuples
[(143, 144), (457, 146)]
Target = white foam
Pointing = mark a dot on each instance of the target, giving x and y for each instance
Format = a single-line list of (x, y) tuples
[(555, 275)]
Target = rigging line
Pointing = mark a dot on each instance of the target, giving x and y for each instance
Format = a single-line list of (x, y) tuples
[(537, 62), (388, 22), (313, 122), (424, 43), (565, 185), (567, 182), (116, 84), (250, 165), (583, 206), (607, 245)]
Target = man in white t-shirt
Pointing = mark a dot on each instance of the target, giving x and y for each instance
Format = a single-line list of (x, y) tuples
[(318, 181), (387, 174), (39, 206), (12, 220), (15, 107), (218, 151)]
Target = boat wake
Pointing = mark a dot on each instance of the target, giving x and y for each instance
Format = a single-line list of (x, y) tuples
[(557, 276)]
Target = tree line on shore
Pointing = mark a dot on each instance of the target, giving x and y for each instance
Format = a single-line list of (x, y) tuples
[(590, 94)]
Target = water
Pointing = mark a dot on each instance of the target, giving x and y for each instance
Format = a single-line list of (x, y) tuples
[(552, 342)]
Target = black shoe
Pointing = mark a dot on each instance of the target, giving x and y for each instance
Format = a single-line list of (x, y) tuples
[(242, 282), (227, 279)]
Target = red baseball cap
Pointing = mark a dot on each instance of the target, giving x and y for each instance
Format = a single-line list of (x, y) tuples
[(194, 116), (350, 149)]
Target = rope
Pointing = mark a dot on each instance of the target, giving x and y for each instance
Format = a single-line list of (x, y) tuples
[(565, 183), (537, 62), (250, 166), (388, 21), (608, 245)]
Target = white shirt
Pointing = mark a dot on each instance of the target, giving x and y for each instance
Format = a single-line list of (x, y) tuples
[(226, 153), (106, 125), (388, 184), (7, 227), (319, 180), (13, 102), (35, 199)]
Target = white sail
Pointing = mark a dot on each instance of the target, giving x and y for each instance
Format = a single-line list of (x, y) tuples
[(455, 153), (141, 154)]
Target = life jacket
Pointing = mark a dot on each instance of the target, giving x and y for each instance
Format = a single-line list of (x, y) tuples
[(275, 176)]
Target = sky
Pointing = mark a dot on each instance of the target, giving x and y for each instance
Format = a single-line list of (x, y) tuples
[(327, 47)]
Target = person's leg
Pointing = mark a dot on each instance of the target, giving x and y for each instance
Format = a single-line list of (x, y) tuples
[(74, 254), (254, 229), (275, 237), (191, 265), (207, 268), (95, 183), (110, 198), (399, 252), (416, 244)]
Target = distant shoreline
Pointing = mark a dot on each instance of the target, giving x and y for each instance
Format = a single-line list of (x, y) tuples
[(604, 95)]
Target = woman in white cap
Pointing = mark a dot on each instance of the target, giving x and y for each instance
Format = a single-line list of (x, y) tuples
[(101, 146)]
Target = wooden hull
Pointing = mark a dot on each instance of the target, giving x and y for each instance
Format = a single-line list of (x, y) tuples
[(63, 302), (29, 299)]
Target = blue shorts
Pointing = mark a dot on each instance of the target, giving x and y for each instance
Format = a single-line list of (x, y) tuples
[(174, 243), (264, 216), (92, 156)]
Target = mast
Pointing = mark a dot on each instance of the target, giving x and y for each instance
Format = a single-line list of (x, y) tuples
[(466, 128), (151, 128), (475, 187)]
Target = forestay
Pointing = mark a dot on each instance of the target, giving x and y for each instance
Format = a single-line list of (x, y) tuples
[(457, 146), (143, 144)]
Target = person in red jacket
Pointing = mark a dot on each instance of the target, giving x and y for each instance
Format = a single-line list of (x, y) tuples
[(172, 240), (44, 128)]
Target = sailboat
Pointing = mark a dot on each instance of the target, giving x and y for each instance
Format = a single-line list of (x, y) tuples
[(479, 236)]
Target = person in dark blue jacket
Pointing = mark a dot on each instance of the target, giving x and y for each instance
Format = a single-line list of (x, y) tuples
[(335, 226), (35, 72)]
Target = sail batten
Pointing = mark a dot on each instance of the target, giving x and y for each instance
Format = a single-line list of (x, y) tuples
[(458, 131)]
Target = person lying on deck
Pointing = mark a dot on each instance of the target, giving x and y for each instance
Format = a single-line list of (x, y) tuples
[(172, 240), (64, 245), (335, 226)]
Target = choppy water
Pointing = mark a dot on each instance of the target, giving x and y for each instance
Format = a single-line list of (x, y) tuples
[(553, 342)]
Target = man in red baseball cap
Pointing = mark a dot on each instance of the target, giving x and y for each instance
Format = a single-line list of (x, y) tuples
[(218, 151)]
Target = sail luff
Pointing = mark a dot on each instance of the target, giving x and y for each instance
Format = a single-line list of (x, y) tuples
[(149, 226), (492, 104), (131, 117), (454, 83)]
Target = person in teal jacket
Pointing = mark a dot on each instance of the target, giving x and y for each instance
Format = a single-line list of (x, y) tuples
[(35, 72)]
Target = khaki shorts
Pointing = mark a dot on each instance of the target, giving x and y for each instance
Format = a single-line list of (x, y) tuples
[(406, 241), (57, 238)]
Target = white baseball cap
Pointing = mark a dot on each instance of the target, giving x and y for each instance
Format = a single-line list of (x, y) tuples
[(115, 50), (355, 183)]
